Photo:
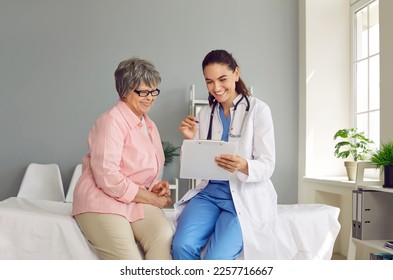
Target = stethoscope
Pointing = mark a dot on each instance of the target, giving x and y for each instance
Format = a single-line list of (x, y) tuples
[(231, 132)]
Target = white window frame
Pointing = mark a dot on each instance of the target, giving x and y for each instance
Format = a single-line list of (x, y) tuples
[(355, 7)]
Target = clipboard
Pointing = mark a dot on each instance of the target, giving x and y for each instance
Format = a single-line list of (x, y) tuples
[(197, 159)]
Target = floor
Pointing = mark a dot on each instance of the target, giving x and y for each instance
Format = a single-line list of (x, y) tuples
[(338, 257)]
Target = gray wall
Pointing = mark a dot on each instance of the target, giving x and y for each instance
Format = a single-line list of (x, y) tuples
[(57, 60)]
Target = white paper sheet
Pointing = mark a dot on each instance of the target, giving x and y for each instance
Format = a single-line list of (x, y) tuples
[(197, 159)]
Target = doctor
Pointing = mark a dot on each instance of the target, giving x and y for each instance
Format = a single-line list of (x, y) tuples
[(235, 217)]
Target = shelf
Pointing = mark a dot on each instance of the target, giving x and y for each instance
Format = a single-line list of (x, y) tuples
[(376, 188), (375, 185), (375, 244)]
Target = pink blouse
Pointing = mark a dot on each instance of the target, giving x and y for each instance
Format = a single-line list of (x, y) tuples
[(121, 160)]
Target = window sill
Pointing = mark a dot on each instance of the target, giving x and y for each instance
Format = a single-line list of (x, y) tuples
[(331, 180)]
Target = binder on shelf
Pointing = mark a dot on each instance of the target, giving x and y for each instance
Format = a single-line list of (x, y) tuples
[(388, 244), (381, 256), (372, 209), (360, 213), (356, 213)]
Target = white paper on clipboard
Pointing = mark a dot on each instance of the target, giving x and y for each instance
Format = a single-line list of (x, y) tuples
[(197, 159)]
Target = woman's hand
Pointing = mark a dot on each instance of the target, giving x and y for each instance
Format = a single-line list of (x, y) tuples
[(162, 201), (232, 163), (160, 197), (188, 127), (161, 189)]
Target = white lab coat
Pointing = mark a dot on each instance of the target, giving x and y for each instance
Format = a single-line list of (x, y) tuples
[(254, 195)]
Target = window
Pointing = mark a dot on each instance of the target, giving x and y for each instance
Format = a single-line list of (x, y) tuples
[(365, 68)]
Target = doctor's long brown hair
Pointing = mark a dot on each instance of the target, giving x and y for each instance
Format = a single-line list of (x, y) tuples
[(225, 58)]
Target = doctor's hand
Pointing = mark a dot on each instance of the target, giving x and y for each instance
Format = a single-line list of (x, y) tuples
[(232, 163), (188, 127)]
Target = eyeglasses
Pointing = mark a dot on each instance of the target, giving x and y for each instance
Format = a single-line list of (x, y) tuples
[(144, 93)]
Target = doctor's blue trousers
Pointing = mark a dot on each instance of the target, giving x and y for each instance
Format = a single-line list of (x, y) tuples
[(208, 220)]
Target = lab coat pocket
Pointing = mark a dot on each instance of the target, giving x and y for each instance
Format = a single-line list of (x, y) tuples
[(260, 206)]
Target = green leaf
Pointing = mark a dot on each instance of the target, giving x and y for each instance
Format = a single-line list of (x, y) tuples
[(383, 156), (170, 152), (352, 143)]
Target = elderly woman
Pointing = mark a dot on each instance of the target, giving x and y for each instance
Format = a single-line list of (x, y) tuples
[(118, 199)]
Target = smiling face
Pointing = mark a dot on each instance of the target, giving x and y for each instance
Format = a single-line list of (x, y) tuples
[(140, 105), (221, 82)]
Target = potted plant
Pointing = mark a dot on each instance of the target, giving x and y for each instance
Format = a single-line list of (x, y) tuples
[(170, 152), (383, 159), (355, 145)]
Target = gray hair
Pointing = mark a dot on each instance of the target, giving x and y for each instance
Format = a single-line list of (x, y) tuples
[(132, 72)]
